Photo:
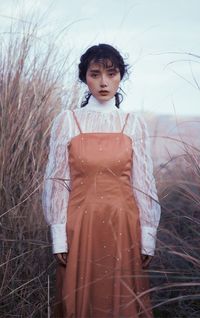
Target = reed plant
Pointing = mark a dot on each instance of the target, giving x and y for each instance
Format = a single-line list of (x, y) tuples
[(31, 94), (175, 269)]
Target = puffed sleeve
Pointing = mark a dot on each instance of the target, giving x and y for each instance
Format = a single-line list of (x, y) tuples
[(56, 185), (144, 186)]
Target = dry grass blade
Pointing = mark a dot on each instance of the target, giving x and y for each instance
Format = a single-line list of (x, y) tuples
[(31, 94)]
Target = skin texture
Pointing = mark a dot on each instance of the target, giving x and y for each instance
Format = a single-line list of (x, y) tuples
[(99, 78)]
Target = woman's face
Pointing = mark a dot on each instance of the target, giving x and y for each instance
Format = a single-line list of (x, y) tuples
[(102, 81)]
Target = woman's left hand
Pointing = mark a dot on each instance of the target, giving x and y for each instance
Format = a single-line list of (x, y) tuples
[(146, 260)]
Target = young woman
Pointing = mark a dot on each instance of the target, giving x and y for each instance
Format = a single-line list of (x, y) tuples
[(100, 199)]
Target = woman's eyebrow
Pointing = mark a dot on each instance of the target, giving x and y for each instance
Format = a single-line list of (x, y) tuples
[(94, 70), (113, 69), (108, 69)]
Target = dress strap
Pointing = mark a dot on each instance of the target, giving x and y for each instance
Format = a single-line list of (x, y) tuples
[(127, 115), (76, 120)]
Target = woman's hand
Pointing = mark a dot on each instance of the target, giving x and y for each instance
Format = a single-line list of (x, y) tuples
[(146, 260), (61, 258)]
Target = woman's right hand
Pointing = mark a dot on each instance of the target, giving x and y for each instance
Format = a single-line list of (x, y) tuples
[(61, 258)]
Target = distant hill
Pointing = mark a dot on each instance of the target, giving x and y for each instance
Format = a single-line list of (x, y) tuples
[(172, 136)]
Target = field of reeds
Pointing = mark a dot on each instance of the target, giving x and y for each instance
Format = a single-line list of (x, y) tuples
[(31, 94)]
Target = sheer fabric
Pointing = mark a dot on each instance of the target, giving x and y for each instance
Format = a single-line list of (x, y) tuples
[(99, 118)]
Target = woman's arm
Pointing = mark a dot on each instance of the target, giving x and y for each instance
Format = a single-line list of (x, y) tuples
[(56, 183), (144, 186)]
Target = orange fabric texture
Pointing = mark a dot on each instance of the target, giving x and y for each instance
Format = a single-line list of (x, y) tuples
[(103, 277)]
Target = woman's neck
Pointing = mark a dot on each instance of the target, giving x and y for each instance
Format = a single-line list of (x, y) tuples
[(104, 107)]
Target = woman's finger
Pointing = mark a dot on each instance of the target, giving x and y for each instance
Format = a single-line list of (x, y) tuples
[(61, 258), (146, 260)]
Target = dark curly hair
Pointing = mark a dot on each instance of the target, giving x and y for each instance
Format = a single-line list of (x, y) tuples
[(102, 53)]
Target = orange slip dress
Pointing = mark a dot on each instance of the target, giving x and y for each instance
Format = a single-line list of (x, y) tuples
[(103, 277)]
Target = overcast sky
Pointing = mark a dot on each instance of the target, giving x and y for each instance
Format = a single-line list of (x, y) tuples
[(157, 37)]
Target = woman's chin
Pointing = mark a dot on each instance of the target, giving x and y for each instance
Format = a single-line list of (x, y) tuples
[(103, 98)]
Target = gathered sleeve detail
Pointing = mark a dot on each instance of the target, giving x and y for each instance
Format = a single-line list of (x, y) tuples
[(56, 185), (144, 186)]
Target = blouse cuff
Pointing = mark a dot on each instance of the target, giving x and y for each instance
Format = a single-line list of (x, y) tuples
[(148, 240), (59, 238)]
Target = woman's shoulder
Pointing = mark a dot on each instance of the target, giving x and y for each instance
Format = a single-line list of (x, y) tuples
[(63, 116), (136, 123), (61, 123), (138, 117), (132, 115)]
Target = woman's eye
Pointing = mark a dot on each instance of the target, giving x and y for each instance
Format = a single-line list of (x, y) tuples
[(111, 74), (94, 75)]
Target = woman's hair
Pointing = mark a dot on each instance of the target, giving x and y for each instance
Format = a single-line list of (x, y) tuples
[(102, 53)]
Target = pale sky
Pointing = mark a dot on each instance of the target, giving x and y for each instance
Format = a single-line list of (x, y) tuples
[(157, 36)]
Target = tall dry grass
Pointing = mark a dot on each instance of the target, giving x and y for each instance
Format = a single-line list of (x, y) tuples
[(175, 271), (30, 96)]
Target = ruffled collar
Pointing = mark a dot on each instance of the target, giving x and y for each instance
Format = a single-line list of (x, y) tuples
[(104, 107)]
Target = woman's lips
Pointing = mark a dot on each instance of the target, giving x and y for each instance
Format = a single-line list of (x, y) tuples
[(103, 92)]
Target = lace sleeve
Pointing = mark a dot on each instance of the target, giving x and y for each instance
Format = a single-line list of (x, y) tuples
[(57, 182), (144, 186)]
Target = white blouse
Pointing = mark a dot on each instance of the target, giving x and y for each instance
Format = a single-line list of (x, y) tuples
[(99, 117)]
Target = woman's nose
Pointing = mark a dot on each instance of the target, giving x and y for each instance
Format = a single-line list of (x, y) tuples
[(103, 82)]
